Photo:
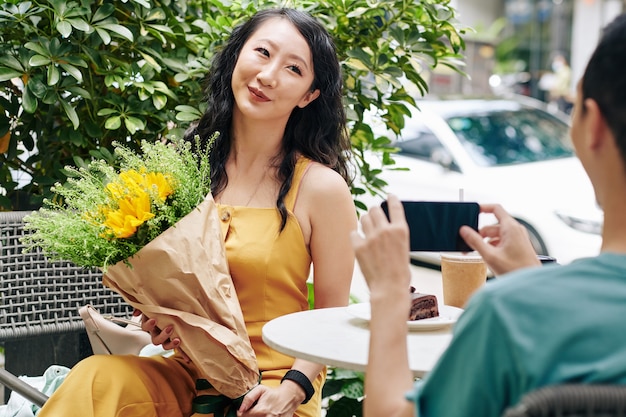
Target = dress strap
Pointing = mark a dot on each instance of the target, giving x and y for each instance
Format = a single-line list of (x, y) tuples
[(302, 165)]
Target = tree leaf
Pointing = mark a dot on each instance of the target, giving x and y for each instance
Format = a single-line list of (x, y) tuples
[(50, 96), (162, 28), (76, 61), (118, 30), (189, 109), (106, 112), (175, 64), (394, 72), (356, 64), (24, 7), (143, 94), (79, 92), (159, 101), (151, 61), (113, 123), (60, 6), (104, 35), (187, 117), (163, 88), (361, 55), (155, 14), (80, 24), (134, 124), (7, 74), (37, 87), (29, 101), (53, 75), (11, 62), (73, 71), (181, 78), (38, 60), (103, 12), (65, 28), (144, 3), (37, 47), (71, 113)]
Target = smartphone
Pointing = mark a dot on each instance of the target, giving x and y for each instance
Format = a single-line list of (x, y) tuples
[(434, 226)]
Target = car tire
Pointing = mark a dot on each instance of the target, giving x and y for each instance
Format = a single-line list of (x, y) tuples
[(535, 239)]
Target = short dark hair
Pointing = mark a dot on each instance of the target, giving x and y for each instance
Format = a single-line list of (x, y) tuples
[(317, 131), (604, 79)]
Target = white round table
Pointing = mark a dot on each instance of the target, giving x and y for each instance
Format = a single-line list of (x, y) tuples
[(334, 337)]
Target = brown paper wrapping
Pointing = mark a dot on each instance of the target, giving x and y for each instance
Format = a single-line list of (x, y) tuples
[(181, 278)]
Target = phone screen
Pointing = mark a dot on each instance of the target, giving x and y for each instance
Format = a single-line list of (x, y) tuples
[(434, 226)]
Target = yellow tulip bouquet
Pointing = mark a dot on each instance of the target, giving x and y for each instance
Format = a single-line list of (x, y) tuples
[(152, 227)]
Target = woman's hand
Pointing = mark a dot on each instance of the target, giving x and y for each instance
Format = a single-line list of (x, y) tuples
[(161, 337), (263, 401), (507, 246)]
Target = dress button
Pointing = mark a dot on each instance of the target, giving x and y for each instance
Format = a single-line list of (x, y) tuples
[(225, 216)]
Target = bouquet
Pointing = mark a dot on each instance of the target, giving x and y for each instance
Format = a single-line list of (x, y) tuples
[(152, 227)]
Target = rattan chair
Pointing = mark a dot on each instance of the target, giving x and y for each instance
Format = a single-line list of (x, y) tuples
[(572, 400), (39, 301)]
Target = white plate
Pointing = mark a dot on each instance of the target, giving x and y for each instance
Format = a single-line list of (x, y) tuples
[(448, 315)]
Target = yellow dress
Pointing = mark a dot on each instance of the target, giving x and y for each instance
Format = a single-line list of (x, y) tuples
[(269, 270)]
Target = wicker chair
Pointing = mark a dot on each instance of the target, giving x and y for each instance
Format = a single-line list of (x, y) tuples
[(572, 400), (39, 301)]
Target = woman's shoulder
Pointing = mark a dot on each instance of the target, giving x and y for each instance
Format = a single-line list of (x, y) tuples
[(325, 197), (320, 178)]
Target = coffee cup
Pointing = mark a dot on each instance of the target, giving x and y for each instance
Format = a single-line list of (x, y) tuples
[(462, 274)]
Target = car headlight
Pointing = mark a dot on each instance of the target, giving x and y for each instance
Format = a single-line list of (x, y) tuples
[(582, 225)]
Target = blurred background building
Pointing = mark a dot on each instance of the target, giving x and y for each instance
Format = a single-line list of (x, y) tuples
[(513, 44)]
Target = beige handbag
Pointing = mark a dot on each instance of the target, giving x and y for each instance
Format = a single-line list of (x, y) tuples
[(111, 335)]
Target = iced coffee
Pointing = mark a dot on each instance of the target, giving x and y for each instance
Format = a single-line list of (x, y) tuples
[(462, 274)]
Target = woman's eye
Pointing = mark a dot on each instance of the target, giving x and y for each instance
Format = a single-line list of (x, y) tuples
[(262, 51), (295, 69)]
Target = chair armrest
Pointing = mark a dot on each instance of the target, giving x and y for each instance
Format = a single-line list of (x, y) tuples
[(22, 388), (572, 400)]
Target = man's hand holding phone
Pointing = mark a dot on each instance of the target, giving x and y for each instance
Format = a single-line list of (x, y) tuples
[(504, 246), (453, 227)]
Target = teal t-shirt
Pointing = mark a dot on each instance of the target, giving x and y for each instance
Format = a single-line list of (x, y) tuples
[(531, 328)]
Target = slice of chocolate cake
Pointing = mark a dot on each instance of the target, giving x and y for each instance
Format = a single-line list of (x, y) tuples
[(423, 306)]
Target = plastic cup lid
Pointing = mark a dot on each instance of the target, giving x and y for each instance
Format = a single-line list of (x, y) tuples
[(462, 256)]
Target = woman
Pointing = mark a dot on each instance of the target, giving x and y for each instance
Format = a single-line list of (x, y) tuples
[(279, 176)]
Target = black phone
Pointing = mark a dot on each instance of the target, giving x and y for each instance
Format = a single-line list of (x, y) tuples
[(434, 225)]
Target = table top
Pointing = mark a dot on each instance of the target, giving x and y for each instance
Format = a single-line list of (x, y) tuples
[(335, 337)]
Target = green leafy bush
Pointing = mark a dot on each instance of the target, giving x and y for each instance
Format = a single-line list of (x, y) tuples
[(76, 75)]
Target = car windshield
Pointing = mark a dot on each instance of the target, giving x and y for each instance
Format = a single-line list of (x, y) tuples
[(512, 137)]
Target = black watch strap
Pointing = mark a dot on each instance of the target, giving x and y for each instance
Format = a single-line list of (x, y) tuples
[(302, 380)]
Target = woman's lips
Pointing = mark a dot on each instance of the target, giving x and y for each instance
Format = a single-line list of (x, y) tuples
[(258, 94)]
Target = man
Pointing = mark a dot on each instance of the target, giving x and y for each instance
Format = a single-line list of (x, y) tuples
[(535, 326)]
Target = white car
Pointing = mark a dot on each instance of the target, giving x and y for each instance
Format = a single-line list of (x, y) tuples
[(507, 151)]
